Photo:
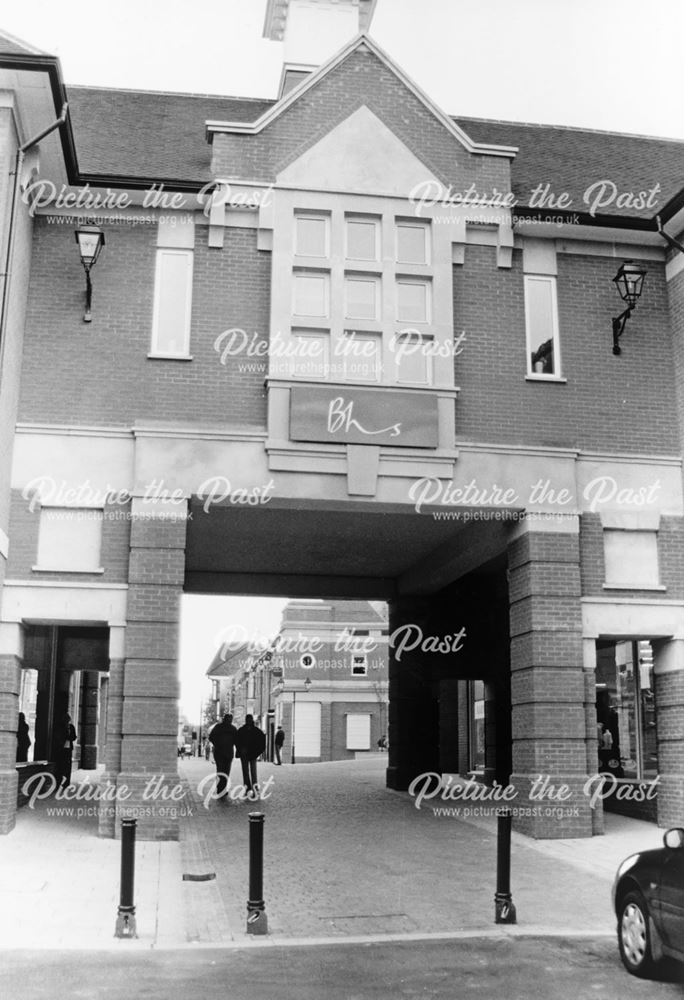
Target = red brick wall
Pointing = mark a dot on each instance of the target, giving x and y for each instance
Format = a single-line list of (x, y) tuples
[(99, 373), (24, 527), (623, 404), (362, 80), (670, 559)]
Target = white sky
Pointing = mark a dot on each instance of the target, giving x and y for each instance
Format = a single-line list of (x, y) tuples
[(606, 64)]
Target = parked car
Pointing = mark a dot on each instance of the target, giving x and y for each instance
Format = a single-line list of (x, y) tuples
[(648, 897)]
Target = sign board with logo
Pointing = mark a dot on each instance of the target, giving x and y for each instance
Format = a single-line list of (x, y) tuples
[(363, 416)]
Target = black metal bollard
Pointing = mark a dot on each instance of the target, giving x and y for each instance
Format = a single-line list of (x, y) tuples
[(257, 922), (504, 910), (125, 918)]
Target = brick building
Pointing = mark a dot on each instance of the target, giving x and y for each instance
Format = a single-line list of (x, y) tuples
[(324, 679), (344, 346)]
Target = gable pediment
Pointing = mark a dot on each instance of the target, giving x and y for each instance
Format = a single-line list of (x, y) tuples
[(360, 155)]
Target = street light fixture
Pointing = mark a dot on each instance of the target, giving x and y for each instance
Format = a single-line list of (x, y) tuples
[(90, 241), (630, 282), (307, 686)]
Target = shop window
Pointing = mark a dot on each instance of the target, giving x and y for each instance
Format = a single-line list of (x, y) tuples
[(362, 297), (359, 665), (541, 320), (362, 239), (477, 725), (412, 243), (312, 236), (625, 709), (413, 301), (631, 559), (358, 731), (69, 540), (311, 294), (172, 304)]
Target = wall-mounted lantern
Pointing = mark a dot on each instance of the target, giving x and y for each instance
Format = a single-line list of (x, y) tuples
[(630, 282), (90, 241)]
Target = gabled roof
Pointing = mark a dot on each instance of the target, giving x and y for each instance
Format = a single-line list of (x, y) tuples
[(228, 659), (10, 45), (361, 41)]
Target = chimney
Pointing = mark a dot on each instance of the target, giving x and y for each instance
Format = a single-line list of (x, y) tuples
[(313, 30)]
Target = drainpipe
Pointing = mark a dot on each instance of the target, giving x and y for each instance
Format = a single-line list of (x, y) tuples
[(19, 160), (670, 240)]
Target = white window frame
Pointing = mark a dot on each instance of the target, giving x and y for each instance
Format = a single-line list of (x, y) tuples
[(322, 336), (409, 280), (368, 221), (155, 350), (425, 228), (364, 664), (312, 217), (350, 358), (369, 279), (304, 273), (427, 338), (555, 334)]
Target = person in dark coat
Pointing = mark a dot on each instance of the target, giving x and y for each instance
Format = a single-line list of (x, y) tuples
[(278, 742), (251, 743), (223, 740), (23, 739), (64, 742)]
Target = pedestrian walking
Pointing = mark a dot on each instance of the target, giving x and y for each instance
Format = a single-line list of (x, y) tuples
[(23, 739), (279, 740), (251, 743), (64, 743), (223, 739)]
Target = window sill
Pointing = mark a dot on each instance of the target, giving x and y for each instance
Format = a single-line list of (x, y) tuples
[(170, 357), (635, 586), (58, 569), (546, 378)]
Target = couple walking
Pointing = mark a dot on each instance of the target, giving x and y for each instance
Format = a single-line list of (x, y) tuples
[(248, 742)]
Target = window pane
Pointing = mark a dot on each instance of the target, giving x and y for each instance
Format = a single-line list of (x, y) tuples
[(615, 715), (412, 301), (412, 356), (312, 237), (69, 539), (412, 244), (360, 357), (361, 298), (362, 240), (310, 354), (310, 295), (541, 325), (172, 303)]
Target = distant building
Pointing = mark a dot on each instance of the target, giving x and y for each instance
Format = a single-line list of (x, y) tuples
[(324, 679)]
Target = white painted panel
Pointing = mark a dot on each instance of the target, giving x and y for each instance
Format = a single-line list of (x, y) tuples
[(69, 539), (353, 157), (358, 731), (307, 729), (631, 558)]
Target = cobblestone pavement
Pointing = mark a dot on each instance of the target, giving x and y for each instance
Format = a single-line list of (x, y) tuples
[(345, 856)]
